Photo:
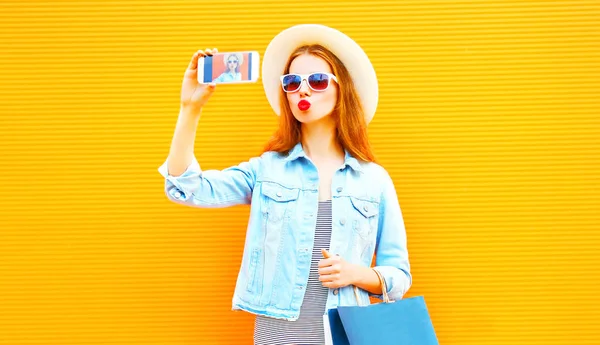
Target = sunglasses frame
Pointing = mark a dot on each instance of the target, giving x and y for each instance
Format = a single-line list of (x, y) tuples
[(304, 77)]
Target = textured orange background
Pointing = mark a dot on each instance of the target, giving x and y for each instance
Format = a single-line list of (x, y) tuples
[(488, 123)]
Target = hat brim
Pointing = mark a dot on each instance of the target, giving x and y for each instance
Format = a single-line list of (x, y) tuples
[(346, 49)]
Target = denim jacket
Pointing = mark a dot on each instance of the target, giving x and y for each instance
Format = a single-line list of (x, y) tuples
[(282, 190)]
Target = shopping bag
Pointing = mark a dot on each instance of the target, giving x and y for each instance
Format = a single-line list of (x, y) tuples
[(334, 329), (403, 322)]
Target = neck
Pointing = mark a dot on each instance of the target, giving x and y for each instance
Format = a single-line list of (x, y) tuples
[(319, 140)]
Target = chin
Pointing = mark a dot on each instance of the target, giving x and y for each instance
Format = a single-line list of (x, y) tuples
[(309, 116), (306, 117)]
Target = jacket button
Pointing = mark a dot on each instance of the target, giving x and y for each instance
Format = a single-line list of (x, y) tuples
[(366, 208), (335, 292), (339, 189), (177, 195), (342, 221), (279, 194)]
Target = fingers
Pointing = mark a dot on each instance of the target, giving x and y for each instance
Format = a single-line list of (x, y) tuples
[(194, 62), (328, 262), (329, 278), (332, 284), (329, 259), (329, 270), (198, 54)]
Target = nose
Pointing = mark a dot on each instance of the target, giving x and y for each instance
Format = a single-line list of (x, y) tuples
[(304, 89)]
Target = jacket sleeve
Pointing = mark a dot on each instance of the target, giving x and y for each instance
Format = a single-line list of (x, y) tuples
[(212, 188), (391, 251)]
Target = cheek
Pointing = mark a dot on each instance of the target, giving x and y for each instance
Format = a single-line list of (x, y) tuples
[(291, 97), (331, 96)]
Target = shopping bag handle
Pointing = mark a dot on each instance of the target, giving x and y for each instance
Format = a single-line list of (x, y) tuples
[(386, 297)]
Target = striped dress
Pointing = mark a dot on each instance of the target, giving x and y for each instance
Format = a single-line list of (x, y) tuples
[(308, 329)]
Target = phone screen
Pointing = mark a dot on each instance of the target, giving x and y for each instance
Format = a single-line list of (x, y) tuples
[(228, 68)]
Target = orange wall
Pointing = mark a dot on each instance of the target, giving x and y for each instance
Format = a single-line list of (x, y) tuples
[(488, 123)]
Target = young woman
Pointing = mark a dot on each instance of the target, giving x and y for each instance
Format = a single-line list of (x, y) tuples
[(232, 65), (321, 208)]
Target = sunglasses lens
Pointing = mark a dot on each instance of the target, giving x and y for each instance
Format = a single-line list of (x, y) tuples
[(291, 82), (318, 81)]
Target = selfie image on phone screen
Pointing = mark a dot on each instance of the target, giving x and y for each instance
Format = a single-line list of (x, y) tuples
[(234, 67)]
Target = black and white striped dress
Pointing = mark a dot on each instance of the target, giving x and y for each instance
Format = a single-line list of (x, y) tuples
[(308, 329)]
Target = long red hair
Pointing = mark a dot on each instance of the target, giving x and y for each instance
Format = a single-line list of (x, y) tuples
[(348, 112)]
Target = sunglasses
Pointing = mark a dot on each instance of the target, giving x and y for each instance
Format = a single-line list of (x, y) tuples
[(316, 81)]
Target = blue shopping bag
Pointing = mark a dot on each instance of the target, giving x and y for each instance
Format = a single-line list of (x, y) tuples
[(337, 334), (403, 322)]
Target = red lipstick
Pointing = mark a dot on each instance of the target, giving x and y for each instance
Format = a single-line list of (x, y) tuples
[(303, 105)]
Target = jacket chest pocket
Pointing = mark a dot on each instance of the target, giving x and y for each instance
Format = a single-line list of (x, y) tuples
[(277, 201), (365, 217)]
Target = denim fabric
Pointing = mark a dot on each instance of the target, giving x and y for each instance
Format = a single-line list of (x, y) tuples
[(282, 191)]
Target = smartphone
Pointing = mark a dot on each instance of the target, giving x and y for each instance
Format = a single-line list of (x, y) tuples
[(229, 68)]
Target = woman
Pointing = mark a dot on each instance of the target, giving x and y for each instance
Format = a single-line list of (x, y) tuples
[(232, 72), (320, 206)]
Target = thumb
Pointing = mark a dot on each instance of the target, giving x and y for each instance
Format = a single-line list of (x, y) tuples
[(325, 253)]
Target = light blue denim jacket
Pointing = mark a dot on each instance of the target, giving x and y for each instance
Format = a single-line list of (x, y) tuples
[(283, 193)]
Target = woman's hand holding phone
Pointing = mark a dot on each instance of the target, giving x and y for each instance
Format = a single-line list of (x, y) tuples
[(194, 95)]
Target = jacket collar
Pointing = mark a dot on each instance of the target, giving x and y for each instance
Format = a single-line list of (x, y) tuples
[(297, 152)]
